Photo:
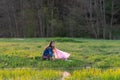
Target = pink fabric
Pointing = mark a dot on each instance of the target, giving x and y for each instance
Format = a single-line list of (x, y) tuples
[(61, 54)]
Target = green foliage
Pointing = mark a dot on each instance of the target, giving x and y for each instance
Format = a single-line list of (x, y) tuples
[(85, 53), (27, 53), (36, 74), (29, 74)]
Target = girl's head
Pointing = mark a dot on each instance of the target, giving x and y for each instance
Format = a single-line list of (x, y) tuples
[(52, 44)]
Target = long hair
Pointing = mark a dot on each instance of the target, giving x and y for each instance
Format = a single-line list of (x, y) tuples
[(50, 44)]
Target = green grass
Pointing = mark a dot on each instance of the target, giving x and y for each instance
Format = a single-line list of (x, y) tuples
[(26, 53), (83, 74), (95, 74), (29, 74)]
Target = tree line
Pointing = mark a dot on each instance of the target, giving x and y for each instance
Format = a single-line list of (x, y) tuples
[(60, 18)]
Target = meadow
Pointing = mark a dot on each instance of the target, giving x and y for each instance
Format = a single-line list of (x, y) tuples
[(90, 59)]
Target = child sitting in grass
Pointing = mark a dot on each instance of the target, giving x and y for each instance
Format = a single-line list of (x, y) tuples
[(51, 53), (48, 53)]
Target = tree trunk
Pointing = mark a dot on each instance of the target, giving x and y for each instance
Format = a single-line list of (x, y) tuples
[(22, 17), (40, 17), (111, 21), (91, 19), (14, 20), (96, 8), (52, 19), (103, 19), (9, 19)]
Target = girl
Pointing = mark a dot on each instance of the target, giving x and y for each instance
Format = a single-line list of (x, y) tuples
[(51, 52), (48, 52)]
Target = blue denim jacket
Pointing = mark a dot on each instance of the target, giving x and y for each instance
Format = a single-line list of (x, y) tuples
[(48, 52)]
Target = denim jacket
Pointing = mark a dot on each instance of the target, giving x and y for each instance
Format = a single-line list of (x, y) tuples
[(48, 52)]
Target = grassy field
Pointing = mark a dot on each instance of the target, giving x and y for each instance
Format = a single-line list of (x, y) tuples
[(90, 59), (83, 74)]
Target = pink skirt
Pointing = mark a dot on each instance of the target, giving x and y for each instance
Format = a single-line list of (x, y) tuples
[(60, 54)]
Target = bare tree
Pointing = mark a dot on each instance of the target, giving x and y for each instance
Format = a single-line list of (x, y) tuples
[(39, 6), (104, 19), (9, 18), (111, 21), (41, 17)]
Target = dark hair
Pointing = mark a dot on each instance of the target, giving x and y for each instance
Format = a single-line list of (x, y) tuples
[(50, 45)]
